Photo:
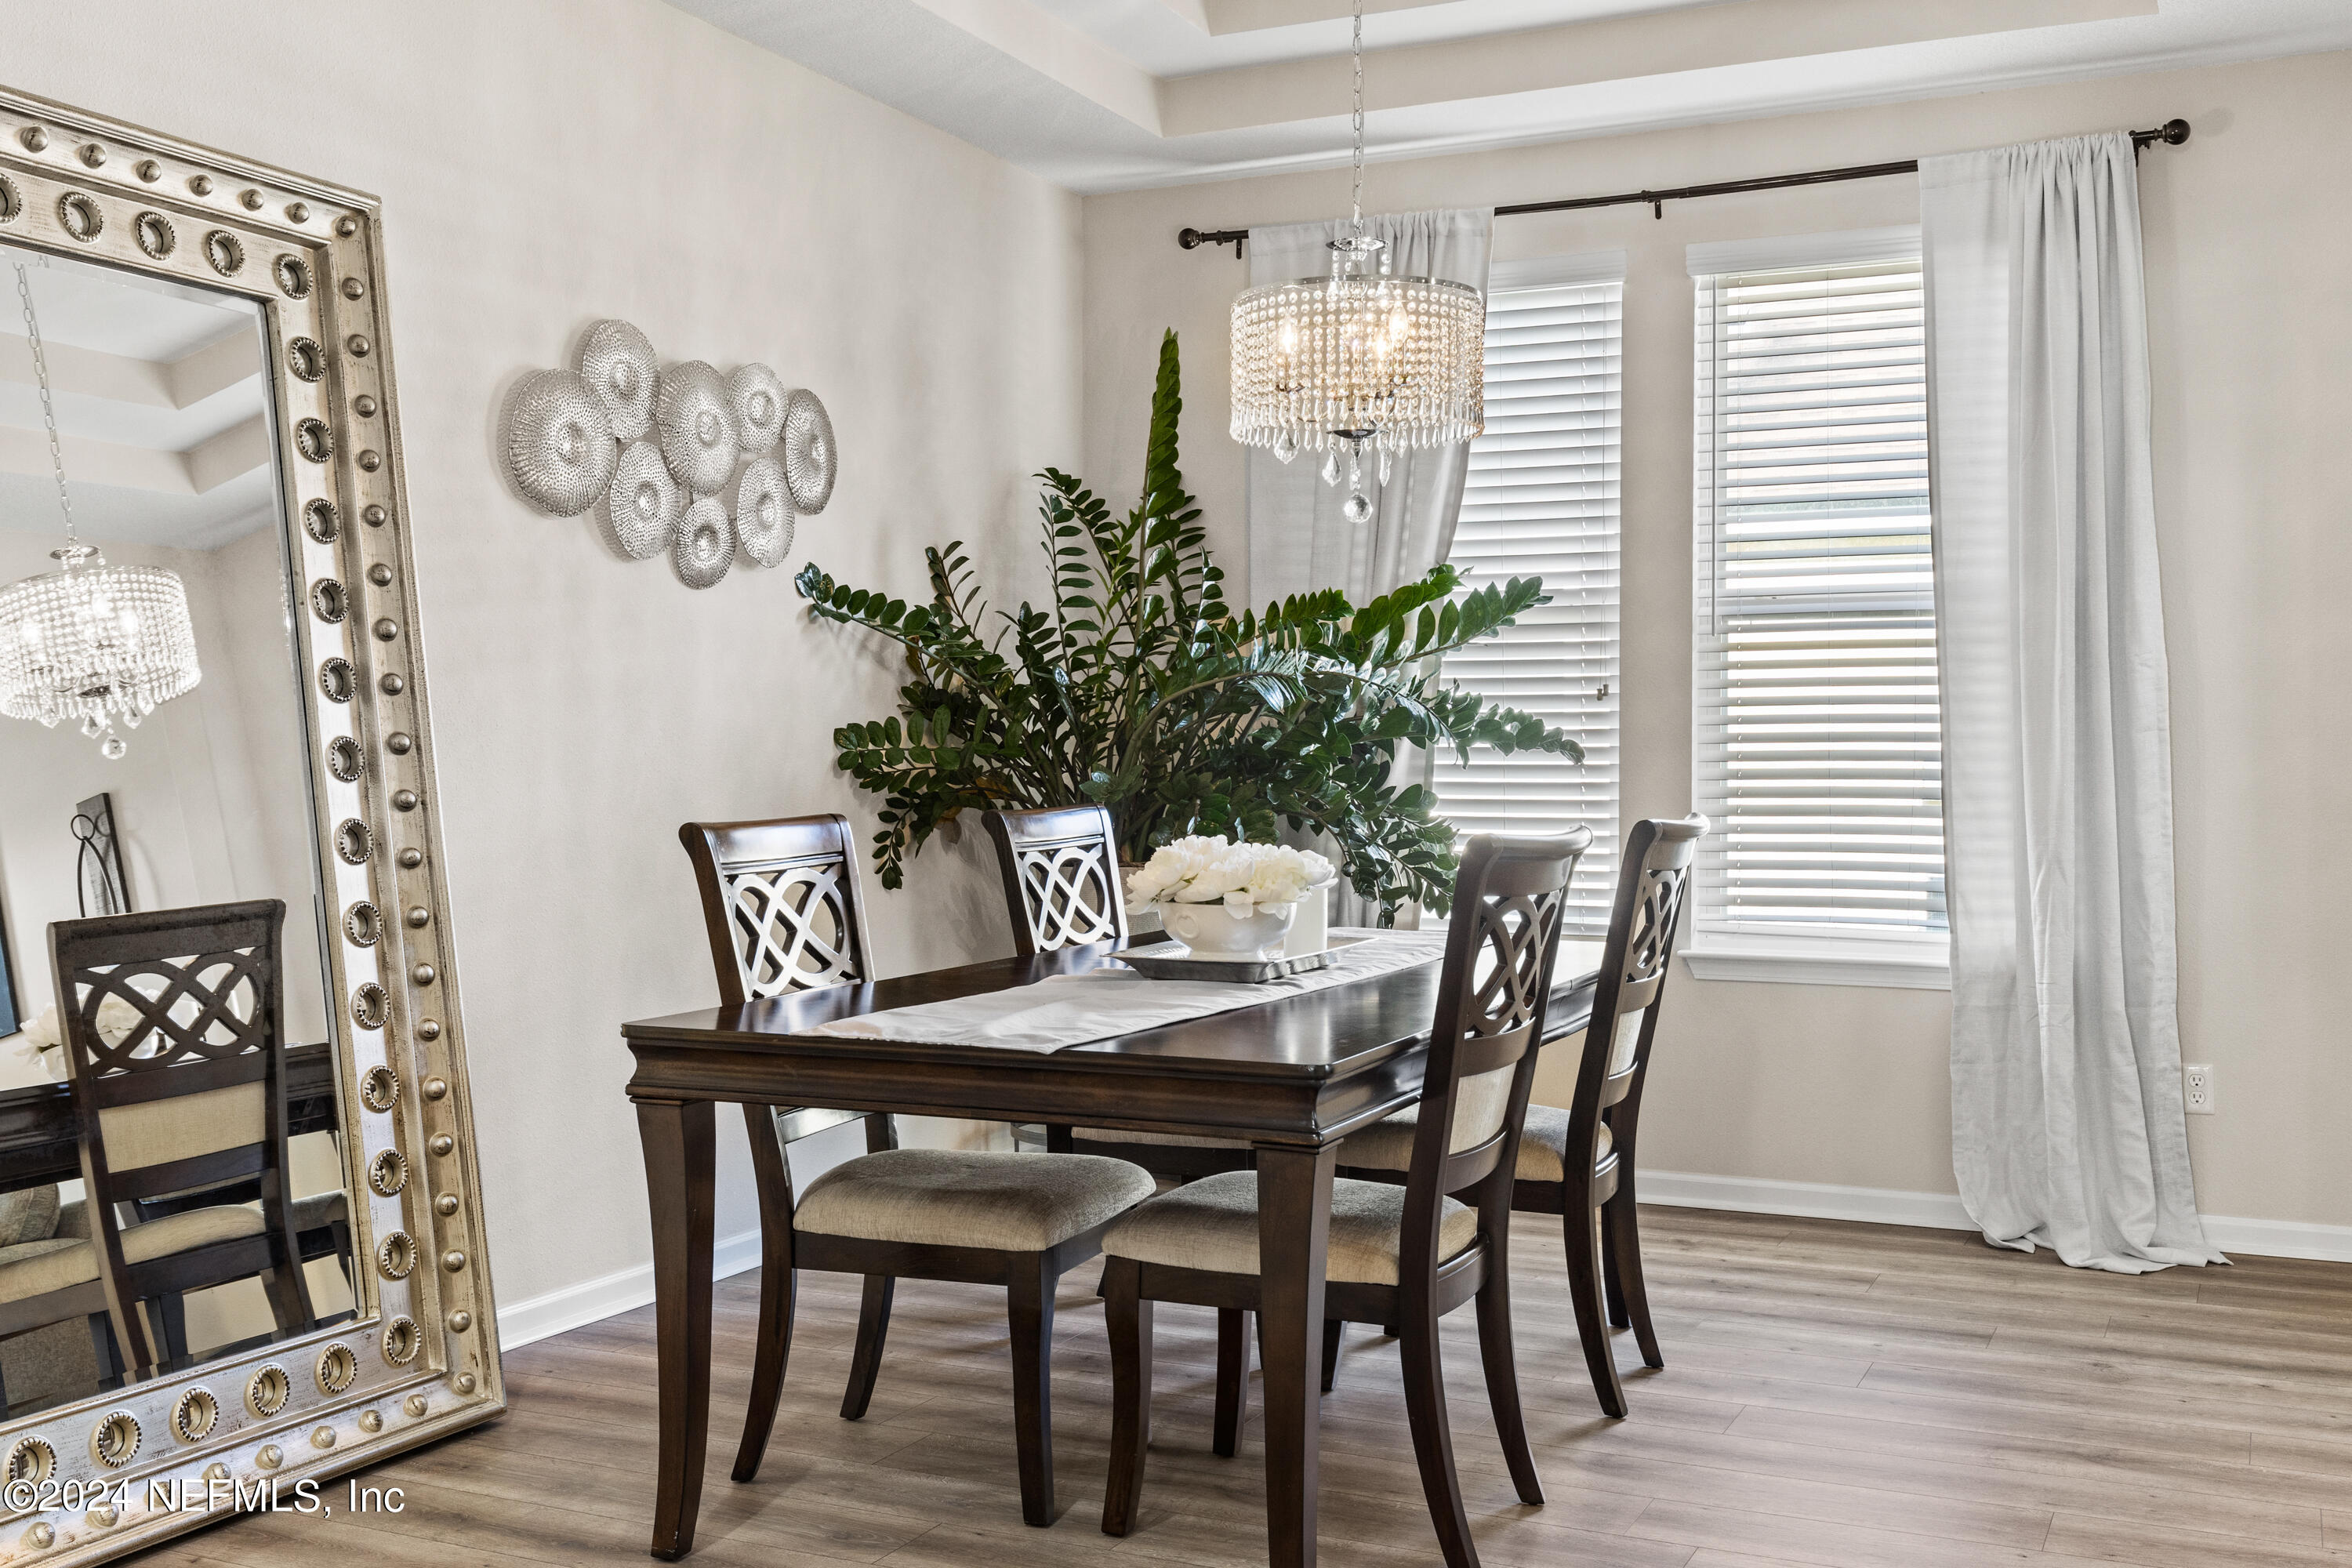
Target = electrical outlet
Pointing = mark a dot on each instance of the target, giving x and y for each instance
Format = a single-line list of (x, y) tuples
[(2197, 1088)]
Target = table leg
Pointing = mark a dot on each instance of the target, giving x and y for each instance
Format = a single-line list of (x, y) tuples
[(678, 1139), (1294, 1206)]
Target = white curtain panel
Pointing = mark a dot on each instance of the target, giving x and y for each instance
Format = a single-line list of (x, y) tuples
[(2067, 1126), (1299, 542)]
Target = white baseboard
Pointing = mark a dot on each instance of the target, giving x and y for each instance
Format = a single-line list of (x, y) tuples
[(591, 1300), (1944, 1211)]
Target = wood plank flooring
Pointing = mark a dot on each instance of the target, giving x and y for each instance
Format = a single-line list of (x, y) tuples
[(1843, 1395)]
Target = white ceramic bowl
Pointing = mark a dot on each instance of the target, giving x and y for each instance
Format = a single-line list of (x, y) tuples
[(1211, 932)]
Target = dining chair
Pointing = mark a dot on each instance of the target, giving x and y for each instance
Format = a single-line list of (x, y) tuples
[(192, 1096), (1577, 1161), (1403, 1254), (781, 905), (1062, 889)]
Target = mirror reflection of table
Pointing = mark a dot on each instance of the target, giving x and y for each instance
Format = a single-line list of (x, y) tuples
[(38, 1140)]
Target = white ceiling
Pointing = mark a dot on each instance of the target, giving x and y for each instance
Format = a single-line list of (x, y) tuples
[(161, 408), (1101, 94)]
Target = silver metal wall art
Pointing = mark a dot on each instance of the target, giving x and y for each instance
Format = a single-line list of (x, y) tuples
[(706, 543), (641, 510), (757, 397), (763, 512), (650, 451), (808, 451), (559, 445), (618, 361), (696, 427)]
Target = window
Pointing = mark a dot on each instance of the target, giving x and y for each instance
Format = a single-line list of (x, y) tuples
[(1541, 501), (1816, 739)]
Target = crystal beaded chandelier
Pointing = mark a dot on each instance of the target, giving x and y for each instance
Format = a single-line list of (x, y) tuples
[(102, 645), (1360, 359)]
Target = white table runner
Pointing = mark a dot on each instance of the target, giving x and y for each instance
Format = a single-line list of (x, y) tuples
[(1072, 1009)]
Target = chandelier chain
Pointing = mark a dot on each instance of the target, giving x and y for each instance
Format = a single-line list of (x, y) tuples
[(1356, 53), (48, 409)]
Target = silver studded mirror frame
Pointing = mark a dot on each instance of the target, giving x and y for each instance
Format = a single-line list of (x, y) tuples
[(422, 1360)]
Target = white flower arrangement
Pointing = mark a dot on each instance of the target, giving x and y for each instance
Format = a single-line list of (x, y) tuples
[(42, 1042), (1245, 878)]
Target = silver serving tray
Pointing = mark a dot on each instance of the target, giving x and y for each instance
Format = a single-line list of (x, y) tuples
[(1174, 961)]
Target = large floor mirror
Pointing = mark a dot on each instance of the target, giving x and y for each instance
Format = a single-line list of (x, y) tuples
[(238, 1240)]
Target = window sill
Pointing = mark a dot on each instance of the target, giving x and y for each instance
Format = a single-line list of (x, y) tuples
[(1822, 961)]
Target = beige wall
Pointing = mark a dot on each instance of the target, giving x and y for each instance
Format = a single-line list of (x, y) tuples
[(2246, 228), (542, 164)]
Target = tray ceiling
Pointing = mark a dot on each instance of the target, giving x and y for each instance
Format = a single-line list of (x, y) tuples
[(1101, 94)]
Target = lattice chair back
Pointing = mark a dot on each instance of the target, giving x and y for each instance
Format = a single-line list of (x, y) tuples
[(175, 1062), (1510, 900), (1653, 892), (780, 904), (1061, 876)]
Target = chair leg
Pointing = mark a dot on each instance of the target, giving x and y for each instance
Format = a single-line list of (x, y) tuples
[(1232, 1378), (865, 1362), (1625, 1229), (1613, 1280), (103, 1346), (1500, 1360), (1433, 1437), (1029, 1307), (1334, 1331), (172, 1310), (779, 1285), (1583, 1226), (1127, 1318)]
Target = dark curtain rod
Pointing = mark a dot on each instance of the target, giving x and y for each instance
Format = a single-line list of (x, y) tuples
[(2172, 133)]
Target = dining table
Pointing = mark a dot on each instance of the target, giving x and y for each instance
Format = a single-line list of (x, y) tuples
[(1291, 1077)]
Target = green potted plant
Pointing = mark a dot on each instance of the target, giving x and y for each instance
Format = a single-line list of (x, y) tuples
[(1140, 688)]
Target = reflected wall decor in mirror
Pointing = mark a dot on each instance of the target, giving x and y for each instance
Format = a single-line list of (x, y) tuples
[(239, 1239)]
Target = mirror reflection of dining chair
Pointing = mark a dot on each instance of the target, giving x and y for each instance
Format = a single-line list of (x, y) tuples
[(1577, 1161), (191, 1097), (784, 914), (1406, 1254)]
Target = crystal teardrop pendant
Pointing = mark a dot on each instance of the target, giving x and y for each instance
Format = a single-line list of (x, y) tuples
[(1388, 464), (1286, 445), (1331, 467)]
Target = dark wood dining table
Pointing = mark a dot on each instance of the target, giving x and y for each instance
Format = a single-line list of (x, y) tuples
[(1291, 1078)]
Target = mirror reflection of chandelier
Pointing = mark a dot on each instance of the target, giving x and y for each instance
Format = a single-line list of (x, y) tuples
[(91, 643), (1361, 359)]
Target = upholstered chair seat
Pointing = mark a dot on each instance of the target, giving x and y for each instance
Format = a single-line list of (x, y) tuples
[(36, 1269), (953, 1197), (1543, 1146), (1212, 1225)]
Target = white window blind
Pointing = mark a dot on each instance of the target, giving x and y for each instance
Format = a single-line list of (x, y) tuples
[(1542, 501), (1817, 744)]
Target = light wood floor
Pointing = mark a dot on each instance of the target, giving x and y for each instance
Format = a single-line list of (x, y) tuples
[(1857, 1396)]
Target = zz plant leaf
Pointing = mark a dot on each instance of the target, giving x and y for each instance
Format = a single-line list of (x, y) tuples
[(1139, 687)]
